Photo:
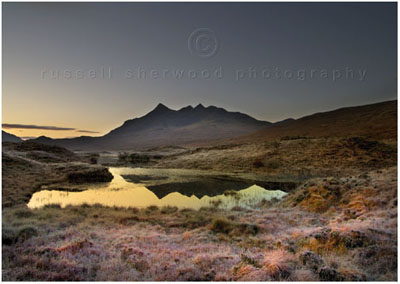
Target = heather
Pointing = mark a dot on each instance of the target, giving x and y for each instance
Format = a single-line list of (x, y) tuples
[(337, 221), (352, 237)]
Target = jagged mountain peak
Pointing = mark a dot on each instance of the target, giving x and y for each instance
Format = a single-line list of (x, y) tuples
[(165, 126), (160, 107), (199, 106), (186, 108), (189, 126)]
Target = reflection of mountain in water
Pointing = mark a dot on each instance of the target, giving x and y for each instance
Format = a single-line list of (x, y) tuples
[(125, 194), (208, 186), (199, 183)]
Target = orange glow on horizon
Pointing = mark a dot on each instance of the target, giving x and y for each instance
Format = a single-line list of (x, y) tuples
[(33, 133)]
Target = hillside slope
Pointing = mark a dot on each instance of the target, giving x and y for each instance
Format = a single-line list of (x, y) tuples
[(7, 137), (377, 121)]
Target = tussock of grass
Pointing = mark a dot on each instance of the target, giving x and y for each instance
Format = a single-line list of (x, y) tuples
[(169, 209), (222, 226), (225, 226), (279, 264), (23, 213), (27, 232)]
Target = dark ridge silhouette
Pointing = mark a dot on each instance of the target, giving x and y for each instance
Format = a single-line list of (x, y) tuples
[(201, 125), (164, 126), (7, 137), (376, 121)]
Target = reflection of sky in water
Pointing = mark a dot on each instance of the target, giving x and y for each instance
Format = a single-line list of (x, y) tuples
[(126, 194)]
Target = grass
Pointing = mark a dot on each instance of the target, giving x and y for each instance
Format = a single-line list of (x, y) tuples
[(225, 226), (170, 244), (296, 159), (329, 228)]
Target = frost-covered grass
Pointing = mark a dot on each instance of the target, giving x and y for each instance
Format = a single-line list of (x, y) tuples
[(119, 244), (352, 238)]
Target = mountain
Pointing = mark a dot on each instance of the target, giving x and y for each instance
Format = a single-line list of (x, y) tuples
[(376, 121), (7, 137), (201, 125), (164, 126)]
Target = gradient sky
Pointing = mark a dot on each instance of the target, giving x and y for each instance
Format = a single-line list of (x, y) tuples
[(39, 38)]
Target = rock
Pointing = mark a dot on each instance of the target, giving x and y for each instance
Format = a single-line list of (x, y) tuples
[(311, 260)]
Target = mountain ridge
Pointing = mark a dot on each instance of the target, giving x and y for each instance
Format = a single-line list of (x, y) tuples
[(202, 125), (8, 137), (163, 126), (377, 121)]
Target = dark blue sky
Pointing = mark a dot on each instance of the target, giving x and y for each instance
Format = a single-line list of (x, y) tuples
[(327, 55)]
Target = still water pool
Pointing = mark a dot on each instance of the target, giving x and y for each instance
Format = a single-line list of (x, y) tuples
[(122, 193)]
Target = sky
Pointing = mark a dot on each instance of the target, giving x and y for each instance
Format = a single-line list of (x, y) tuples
[(72, 69)]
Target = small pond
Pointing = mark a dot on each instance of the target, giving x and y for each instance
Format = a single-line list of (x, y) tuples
[(136, 187)]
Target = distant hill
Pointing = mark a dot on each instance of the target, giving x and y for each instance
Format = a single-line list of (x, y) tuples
[(164, 126), (377, 121), (7, 137), (203, 125)]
